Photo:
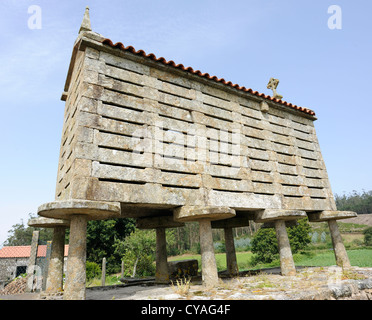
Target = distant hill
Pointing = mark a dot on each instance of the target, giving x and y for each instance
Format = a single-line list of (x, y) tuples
[(365, 219)]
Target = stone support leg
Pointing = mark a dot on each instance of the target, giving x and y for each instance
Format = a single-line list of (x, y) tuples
[(76, 272), (342, 260), (209, 266), (55, 270), (32, 268), (162, 274), (231, 262), (286, 260)]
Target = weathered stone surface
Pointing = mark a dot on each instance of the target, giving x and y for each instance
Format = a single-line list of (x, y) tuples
[(64, 209), (183, 268), (192, 213), (341, 256), (55, 270), (161, 274), (76, 268), (330, 215), (142, 133), (41, 222), (287, 265), (270, 215), (183, 124), (208, 260), (231, 262)]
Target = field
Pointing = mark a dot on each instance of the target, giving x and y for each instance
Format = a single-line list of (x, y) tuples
[(317, 254), (358, 257)]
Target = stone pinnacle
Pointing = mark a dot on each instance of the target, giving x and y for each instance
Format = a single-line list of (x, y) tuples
[(85, 25)]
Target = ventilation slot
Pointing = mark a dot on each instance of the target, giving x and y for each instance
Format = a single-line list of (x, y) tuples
[(122, 181), (179, 187), (121, 120), (117, 67), (174, 95), (121, 92), (173, 83), (226, 190), (120, 149), (121, 165), (122, 106), (211, 95)]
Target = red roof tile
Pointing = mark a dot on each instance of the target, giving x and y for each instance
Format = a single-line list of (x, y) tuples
[(151, 56), (24, 251)]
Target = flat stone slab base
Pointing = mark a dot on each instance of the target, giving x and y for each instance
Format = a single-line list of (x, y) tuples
[(42, 222), (95, 210), (330, 215), (194, 213), (270, 215)]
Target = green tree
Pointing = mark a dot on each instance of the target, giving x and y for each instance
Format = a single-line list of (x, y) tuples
[(265, 244), (368, 236), (101, 236), (138, 252), (299, 235), (359, 202), (21, 234)]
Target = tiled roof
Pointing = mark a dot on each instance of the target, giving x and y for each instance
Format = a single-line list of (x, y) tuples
[(151, 56), (24, 251)]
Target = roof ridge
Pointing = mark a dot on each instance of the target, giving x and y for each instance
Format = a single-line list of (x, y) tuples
[(152, 56)]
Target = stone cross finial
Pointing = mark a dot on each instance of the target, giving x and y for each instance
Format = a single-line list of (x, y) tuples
[(85, 25), (273, 84)]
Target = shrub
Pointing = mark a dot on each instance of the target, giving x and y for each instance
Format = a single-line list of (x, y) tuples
[(368, 236), (243, 244), (93, 270), (219, 247), (265, 244), (138, 252)]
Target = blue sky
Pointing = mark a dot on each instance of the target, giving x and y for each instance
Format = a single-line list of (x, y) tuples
[(245, 42)]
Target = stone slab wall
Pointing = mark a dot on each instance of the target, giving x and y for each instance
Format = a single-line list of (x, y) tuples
[(136, 131)]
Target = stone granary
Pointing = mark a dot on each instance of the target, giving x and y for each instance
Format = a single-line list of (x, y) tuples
[(165, 144)]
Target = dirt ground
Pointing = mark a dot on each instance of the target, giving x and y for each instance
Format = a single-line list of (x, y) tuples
[(318, 283)]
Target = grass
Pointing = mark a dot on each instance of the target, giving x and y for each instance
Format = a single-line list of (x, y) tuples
[(360, 258), (109, 281)]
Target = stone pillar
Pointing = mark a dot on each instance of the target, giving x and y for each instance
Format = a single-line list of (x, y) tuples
[(55, 269), (209, 266), (31, 268), (162, 274), (286, 260), (231, 262), (76, 268), (103, 277), (342, 260), (205, 216), (46, 265)]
